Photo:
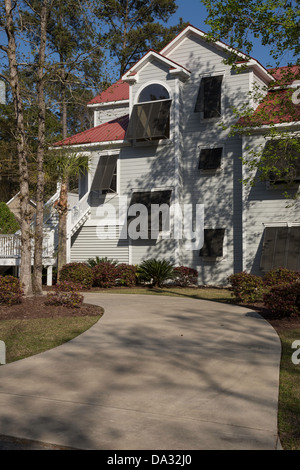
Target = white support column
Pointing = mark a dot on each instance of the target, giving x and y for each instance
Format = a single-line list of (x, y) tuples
[(49, 275)]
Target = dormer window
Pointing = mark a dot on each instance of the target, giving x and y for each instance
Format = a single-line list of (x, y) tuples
[(150, 117)]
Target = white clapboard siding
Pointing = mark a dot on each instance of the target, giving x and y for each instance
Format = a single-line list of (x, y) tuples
[(88, 243)]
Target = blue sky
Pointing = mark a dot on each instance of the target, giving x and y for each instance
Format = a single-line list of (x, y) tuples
[(194, 12)]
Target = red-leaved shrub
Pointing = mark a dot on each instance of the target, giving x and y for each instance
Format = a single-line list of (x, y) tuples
[(10, 290), (79, 273), (65, 293), (126, 274), (280, 276), (283, 299), (105, 274), (185, 276), (246, 287)]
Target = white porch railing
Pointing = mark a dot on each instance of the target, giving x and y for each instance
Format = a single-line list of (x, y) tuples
[(10, 245)]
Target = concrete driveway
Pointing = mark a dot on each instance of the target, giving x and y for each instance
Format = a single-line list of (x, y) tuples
[(154, 373)]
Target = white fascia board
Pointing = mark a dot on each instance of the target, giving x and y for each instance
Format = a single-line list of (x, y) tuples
[(175, 68), (108, 104), (266, 127), (117, 143)]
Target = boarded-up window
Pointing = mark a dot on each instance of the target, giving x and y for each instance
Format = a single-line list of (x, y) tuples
[(210, 159), (104, 173), (281, 248), (147, 199), (213, 243), (209, 97), (149, 121)]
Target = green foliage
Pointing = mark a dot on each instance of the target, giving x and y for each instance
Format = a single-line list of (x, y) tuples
[(246, 287), (65, 294), (185, 276), (275, 22), (283, 299), (10, 290), (134, 27), (156, 271), (78, 273), (8, 223), (97, 260)]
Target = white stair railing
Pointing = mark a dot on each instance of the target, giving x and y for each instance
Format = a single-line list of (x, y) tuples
[(78, 214)]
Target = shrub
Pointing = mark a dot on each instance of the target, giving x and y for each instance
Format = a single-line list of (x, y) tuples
[(280, 276), (283, 299), (105, 274), (185, 276), (156, 271), (10, 290), (8, 222), (126, 275), (79, 273), (246, 287), (65, 294)]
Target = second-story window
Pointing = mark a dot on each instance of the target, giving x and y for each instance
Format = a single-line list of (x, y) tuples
[(209, 101), (150, 117)]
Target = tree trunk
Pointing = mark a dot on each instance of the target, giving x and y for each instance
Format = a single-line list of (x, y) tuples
[(62, 209), (62, 205), (25, 268), (39, 227)]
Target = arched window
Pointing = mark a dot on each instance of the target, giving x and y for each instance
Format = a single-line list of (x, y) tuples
[(153, 92), (150, 117)]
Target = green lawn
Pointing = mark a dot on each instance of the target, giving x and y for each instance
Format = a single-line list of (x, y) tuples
[(24, 338)]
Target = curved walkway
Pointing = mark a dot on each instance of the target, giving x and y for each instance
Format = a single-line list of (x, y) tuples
[(154, 373)]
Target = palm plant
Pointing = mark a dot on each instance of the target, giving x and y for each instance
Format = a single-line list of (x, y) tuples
[(156, 271), (97, 260), (64, 165)]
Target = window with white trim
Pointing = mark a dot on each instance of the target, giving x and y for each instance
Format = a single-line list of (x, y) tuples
[(150, 117)]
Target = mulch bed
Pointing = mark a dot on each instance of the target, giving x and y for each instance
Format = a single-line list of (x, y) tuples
[(35, 307), (278, 323)]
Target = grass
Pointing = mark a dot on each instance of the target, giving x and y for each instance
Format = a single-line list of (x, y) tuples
[(289, 393), (24, 338), (205, 293)]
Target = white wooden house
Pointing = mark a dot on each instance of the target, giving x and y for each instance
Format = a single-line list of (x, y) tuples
[(161, 136)]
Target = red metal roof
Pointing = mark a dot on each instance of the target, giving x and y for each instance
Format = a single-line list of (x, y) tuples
[(278, 106), (109, 131), (119, 91), (285, 75)]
